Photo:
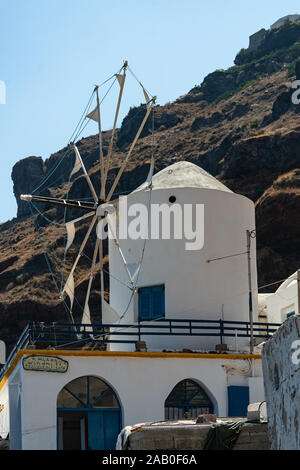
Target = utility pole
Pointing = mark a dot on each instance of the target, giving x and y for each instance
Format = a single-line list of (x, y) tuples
[(249, 236)]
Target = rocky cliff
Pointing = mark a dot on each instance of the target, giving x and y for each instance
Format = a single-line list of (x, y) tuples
[(239, 124)]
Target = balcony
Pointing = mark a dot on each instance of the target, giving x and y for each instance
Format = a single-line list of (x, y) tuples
[(66, 336)]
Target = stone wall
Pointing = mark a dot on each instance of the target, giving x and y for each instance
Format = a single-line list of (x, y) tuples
[(254, 436), (257, 39), (281, 380)]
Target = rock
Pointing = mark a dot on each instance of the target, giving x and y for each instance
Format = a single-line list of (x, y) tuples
[(282, 104), (280, 151), (216, 84), (239, 111), (134, 118), (272, 67), (200, 122), (278, 217), (27, 175), (288, 181), (266, 120)]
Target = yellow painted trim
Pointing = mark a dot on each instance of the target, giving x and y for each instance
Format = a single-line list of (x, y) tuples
[(13, 364), (83, 353)]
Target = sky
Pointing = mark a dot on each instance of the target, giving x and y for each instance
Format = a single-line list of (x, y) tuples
[(53, 52)]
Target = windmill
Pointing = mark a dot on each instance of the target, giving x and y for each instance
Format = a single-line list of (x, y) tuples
[(101, 211)]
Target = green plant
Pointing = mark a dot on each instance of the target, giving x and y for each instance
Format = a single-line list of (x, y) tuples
[(254, 124), (292, 69), (225, 96), (21, 278), (249, 83)]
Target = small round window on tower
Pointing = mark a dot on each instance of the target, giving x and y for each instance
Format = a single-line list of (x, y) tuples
[(172, 199)]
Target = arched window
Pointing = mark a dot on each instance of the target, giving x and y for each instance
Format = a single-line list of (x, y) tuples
[(187, 400), (87, 392), (89, 415)]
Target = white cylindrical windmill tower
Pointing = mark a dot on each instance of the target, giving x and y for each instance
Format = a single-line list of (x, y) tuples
[(205, 277)]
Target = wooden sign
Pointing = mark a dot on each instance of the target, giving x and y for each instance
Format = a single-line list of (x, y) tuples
[(45, 364)]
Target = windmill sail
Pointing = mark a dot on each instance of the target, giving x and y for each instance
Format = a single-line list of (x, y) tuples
[(99, 207), (70, 226), (86, 319), (119, 78), (146, 95), (77, 166), (151, 170), (94, 115), (69, 289), (109, 315)]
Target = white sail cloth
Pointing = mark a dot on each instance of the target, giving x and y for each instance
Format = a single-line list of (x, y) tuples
[(94, 115), (109, 315)]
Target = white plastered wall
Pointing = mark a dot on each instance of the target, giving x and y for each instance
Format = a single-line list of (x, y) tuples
[(142, 386), (194, 288)]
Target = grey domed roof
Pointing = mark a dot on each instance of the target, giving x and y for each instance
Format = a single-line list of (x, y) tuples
[(185, 175)]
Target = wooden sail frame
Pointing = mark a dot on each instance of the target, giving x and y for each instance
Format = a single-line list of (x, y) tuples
[(92, 208)]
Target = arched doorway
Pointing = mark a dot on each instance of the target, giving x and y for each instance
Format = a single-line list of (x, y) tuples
[(187, 399), (88, 415)]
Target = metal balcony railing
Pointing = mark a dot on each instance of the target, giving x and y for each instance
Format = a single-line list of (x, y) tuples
[(75, 336)]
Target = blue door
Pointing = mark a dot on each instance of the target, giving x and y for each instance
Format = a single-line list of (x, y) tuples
[(89, 415), (238, 401), (151, 302), (103, 429)]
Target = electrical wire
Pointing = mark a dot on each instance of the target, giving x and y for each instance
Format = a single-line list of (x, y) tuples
[(139, 82), (225, 257), (46, 178), (276, 282), (78, 128)]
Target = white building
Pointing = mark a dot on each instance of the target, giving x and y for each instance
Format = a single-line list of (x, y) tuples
[(284, 302), (186, 303), (42, 414), (292, 18)]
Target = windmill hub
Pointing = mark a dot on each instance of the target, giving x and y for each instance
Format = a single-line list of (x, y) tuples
[(105, 208)]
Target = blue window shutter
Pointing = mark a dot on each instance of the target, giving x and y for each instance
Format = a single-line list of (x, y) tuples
[(145, 304), (158, 301), (151, 302), (238, 401)]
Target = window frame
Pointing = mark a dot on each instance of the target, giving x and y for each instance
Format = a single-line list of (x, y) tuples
[(150, 316)]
